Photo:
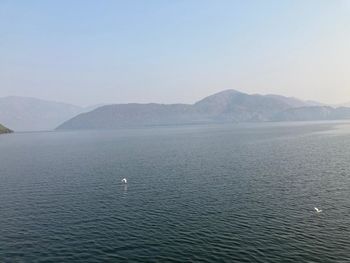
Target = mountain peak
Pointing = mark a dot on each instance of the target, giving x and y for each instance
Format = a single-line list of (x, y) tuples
[(221, 96), (227, 92)]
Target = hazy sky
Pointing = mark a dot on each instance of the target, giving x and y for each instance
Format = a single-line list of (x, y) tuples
[(87, 52)]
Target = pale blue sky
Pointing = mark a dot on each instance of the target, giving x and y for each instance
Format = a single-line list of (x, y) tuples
[(87, 52)]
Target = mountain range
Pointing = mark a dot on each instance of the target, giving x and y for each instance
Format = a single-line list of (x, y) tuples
[(31, 114), (227, 106)]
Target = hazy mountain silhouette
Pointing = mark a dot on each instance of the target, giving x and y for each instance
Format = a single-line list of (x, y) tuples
[(31, 114), (133, 114), (225, 106), (232, 105), (315, 113)]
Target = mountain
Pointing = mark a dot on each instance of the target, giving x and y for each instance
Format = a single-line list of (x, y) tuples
[(3, 129), (294, 102), (225, 106), (304, 114), (315, 113), (232, 105), (130, 115), (31, 114)]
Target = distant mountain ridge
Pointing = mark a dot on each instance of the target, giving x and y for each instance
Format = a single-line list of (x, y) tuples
[(226, 106), (31, 114), (315, 113), (232, 105)]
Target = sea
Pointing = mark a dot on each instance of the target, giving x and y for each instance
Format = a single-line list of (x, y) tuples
[(194, 193)]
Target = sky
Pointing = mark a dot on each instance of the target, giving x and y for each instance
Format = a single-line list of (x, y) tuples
[(87, 52)]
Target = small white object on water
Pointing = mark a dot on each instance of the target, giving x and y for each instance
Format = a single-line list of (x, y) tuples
[(124, 181), (318, 210)]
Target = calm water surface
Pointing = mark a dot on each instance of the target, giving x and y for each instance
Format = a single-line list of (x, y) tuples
[(243, 193)]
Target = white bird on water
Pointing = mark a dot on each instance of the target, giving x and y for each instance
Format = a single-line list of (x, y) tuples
[(124, 181), (318, 210)]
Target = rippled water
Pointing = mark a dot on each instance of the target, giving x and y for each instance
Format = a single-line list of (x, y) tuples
[(228, 193)]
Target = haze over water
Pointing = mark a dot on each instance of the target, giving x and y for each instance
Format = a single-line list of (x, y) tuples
[(228, 193)]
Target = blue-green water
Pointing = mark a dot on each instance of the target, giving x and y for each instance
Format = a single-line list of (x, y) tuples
[(243, 193)]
